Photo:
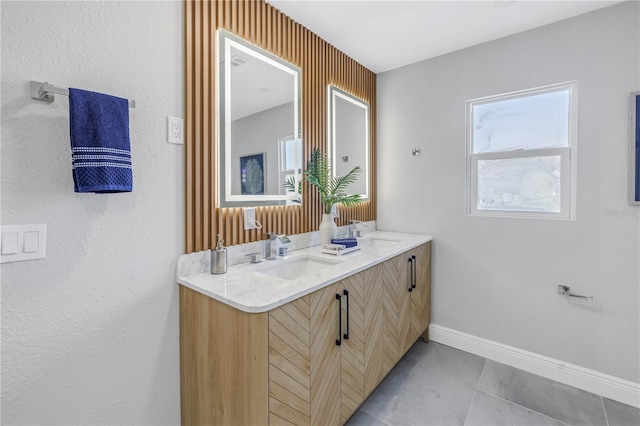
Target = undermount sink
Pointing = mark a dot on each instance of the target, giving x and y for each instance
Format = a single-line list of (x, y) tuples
[(290, 269), (376, 242)]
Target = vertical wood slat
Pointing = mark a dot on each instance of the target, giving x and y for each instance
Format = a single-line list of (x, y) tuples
[(321, 65)]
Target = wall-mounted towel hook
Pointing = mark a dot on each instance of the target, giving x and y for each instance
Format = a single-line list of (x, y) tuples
[(565, 290), (45, 92)]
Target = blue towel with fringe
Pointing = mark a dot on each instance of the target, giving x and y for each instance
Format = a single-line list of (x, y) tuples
[(100, 145)]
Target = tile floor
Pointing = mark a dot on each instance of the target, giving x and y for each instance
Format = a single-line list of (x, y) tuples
[(438, 385)]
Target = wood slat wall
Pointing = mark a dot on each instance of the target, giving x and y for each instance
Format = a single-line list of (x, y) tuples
[(321, 64)]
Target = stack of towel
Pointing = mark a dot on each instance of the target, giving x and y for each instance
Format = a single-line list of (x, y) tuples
[(100, 146)]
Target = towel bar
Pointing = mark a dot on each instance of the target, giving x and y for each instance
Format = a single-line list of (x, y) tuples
[(45, 92)]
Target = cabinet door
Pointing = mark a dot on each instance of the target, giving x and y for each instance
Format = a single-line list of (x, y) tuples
[(361, 352), (352, 350), (406, 290), (290, 363), (396, 310), (304, 360), (374, 330), (324, 329), (421, 295)]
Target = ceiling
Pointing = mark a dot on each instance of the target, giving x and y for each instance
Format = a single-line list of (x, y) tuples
[(383, 35)]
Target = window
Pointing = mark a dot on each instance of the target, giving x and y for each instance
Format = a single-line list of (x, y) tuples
[(289, 156), (521, 153)]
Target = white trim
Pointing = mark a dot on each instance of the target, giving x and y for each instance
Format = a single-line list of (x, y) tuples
[(593, 381)]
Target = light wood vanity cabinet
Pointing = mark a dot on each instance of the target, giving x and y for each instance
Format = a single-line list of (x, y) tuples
[(285, 366)]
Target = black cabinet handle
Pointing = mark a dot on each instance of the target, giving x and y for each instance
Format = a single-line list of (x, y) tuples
[(415, 271), (346, 335), (411, 272), (339, 340)]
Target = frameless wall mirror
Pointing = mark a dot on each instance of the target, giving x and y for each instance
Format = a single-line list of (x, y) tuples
[(349, 138), (260, 147)]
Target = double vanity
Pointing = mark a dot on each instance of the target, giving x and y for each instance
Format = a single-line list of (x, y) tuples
[(302, 339)]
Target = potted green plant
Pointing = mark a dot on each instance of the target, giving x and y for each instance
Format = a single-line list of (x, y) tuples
[(332, 191)]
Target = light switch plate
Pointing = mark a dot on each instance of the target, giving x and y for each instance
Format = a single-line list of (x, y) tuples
[(29, 240), (9, 243)]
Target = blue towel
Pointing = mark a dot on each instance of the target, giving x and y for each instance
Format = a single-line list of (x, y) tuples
[(348, 242), (100, 147)]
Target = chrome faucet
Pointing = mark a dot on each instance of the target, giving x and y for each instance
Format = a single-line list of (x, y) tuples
[(353, 228), (270, 245)]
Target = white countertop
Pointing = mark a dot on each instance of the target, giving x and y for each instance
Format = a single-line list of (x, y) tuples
[(245, 288)]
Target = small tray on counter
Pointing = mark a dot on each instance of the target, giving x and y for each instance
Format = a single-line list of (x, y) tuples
[(337, 249)]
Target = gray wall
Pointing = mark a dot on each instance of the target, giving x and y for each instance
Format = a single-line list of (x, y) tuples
[(496, 277), (90, 334)]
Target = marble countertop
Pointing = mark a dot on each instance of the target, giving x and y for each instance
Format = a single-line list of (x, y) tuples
[(247, 289)]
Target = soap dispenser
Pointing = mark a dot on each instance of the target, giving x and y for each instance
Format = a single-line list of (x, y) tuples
[(219, 258)]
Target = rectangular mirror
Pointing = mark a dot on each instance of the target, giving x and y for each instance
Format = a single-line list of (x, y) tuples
[(260, 146), (349, 138)]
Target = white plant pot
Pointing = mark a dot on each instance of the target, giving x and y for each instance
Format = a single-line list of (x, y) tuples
[(328, 229)]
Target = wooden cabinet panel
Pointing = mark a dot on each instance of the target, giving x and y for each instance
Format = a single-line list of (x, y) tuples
[(374, 330), (289, 363), (404, 283), (325, 356), (421, 295), (391, 305), (304, 360), (362, 353), (352, 350), (223, 362), (406, 313)]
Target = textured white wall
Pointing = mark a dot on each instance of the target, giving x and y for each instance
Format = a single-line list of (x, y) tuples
[(496, 278), (90, 334)]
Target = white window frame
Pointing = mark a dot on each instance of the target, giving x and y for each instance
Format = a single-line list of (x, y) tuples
[(568, 157)]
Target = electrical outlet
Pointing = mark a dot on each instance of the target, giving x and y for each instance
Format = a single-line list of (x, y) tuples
[(249, 218), (174, 130)]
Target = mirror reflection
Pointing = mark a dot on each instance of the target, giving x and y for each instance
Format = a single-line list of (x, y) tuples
[(349, 137), (259, 121)]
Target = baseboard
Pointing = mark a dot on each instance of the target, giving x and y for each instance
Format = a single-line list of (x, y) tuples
[(592, 381)]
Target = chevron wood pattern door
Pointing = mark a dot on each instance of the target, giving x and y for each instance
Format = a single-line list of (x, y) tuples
[(352, 352), (394, 302), (304, 360), (362, 353), (289, 363), (421, 295), (404, 282), (325, 356), (390, 324), (374, 330)]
